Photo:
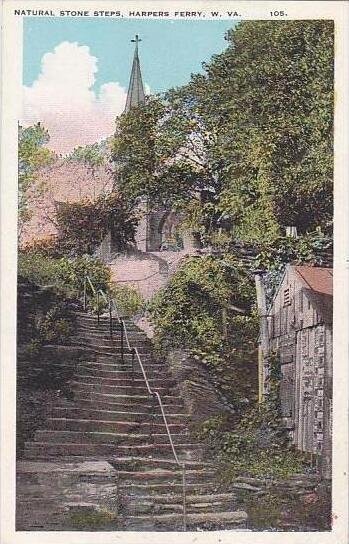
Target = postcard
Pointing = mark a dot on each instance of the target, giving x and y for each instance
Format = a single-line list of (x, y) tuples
[(174, 271)]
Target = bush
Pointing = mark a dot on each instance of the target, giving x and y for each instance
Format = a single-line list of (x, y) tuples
[(83, 225), (188, 313), (65, 275), (93, 520), (128, 299), (256, 447), (259, 445), (55, 326)]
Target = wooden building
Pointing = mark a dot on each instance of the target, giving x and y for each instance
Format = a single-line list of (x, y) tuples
[(299, 329)]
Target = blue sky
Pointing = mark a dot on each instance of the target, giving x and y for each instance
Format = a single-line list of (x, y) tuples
[(169, 53), (76, 71)]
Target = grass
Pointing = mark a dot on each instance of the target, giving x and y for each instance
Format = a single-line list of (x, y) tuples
[(93, 519)]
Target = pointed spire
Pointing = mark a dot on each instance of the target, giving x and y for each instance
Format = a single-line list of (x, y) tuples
[(135, 94)]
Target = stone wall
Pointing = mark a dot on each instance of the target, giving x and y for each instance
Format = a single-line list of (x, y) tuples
[(202, 400), (146, 271)]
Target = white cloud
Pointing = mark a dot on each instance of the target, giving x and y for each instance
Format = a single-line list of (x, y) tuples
[(63, 101)]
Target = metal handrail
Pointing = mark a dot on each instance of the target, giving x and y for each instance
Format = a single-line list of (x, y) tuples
[(111, 302)]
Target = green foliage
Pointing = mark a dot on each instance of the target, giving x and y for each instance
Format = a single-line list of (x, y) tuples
[(128, 299), (307, 249), (190, 306), (55, 326), (271, 94), (65, 275), (188, 313), (93, 156), (83, 225), (247, 147), (32, 155), (93, 520), (258, 445), (134, 150), (276, 510), (32, 349)]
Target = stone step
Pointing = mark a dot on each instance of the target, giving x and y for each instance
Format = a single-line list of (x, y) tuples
[(89, 425), (133, 417), (116, 389), (126, 369), (104, 333), (115, 358), (93, 396), (165, 476), (105, 321), (131, 490), (131, 382), (101, 331), (109, 348), (167, 499), (210, 520), (144, 463), (105, 402), (148, 506), (92, 321), (44, 450), (121, 377), (100, 437), (112, 343), (104, 325)]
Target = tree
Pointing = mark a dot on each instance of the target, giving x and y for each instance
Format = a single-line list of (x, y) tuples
[(160, 152), (83, 225), (32, 155), (134, 150), (271, 95), (247, 146)]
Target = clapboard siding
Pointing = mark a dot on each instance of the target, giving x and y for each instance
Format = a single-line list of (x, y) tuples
[(301, 333)]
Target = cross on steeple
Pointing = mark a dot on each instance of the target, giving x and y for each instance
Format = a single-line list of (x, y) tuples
[(137, 39), (135, 94)]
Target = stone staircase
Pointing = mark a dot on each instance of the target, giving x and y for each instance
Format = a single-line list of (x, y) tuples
[(113, 418)]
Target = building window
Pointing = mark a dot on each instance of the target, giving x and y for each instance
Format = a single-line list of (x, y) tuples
[(287, 297)]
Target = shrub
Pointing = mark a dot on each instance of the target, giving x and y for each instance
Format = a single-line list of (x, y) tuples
[(65, 275), (83, 225), (188, 313), (55, 326), (93, 520), (257, 446), (128, 299)]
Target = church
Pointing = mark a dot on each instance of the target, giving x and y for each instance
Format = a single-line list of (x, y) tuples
[(158, 249)]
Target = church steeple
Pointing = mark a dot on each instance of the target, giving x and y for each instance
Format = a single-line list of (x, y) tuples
[(135, 94)]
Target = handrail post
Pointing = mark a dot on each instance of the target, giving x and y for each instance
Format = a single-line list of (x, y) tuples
[(85, 294), (152, 418), (97, 308), (133, 361), (110, 321), (184, 498), (122, 340)]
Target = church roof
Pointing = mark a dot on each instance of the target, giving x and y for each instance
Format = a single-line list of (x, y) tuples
[(135, 94)]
